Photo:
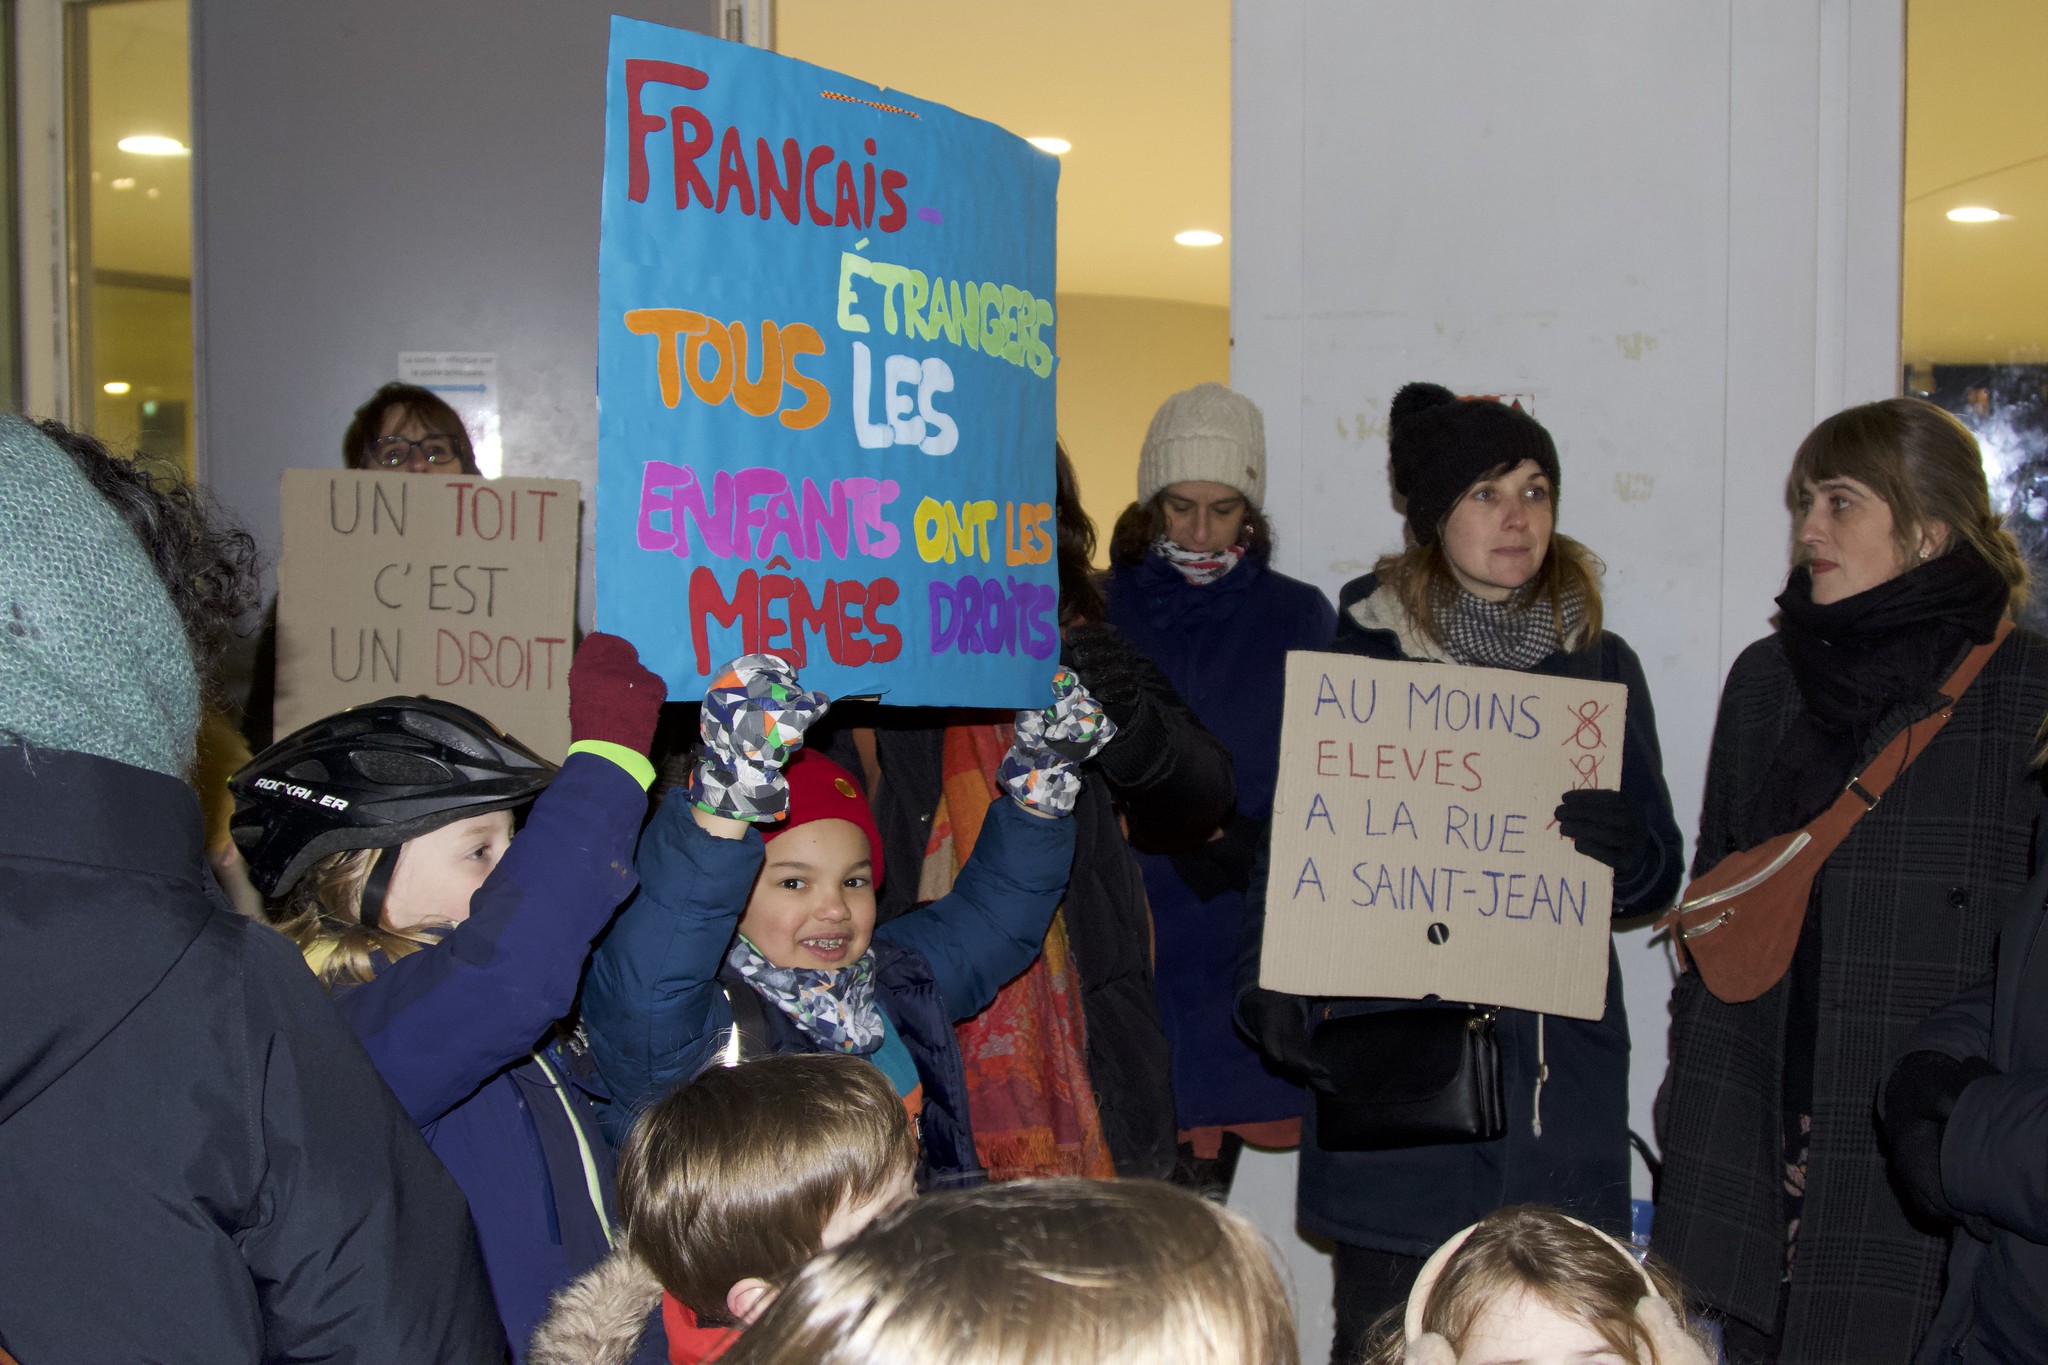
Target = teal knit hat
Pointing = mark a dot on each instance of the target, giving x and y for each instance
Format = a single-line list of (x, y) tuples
[(93, 655)]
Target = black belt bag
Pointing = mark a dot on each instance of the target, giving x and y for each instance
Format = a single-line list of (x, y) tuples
[(1409, 1078)]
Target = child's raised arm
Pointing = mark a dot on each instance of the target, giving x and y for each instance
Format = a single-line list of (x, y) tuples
[(992, 925), (651, 1002)]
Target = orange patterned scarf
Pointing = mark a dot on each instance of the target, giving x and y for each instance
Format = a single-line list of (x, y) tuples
[(1028, 1089)]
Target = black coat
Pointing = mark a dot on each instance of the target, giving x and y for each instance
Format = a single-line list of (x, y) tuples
[(1163, 775), (197, 1161), (1909, 907), (1994, 1152), (1577, 1157)]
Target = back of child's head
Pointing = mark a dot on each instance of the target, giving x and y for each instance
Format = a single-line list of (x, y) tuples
[(1532, 1253), (1045, 1272), (736, 1175)]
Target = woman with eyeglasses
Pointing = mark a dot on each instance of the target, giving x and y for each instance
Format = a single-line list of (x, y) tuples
[(401, 429), (408, 428)]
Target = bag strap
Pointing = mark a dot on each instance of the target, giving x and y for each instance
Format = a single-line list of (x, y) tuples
[(1874, 780)]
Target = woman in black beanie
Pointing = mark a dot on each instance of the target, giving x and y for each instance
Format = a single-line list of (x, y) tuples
[(1486, 581)]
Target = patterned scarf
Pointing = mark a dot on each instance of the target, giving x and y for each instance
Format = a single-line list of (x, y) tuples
[(836, 1008), (1201, 567), (1518, 633)]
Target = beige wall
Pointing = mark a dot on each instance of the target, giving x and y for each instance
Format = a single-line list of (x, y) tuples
[(1120, 358)]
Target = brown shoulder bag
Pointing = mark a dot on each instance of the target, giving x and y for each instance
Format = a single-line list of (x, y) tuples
[(1738, 925)]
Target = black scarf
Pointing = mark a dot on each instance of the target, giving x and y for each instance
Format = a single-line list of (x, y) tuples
[(1855, 660)]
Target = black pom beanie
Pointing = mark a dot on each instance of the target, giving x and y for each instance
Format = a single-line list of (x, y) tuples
[(1440, 445)]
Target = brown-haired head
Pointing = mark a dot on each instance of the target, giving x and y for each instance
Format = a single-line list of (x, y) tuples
[(1140, 525), (1423, 577), (1529, 1249), (1080, 594), (1037, 1272), (735, 1176), (421, 405), (1928, 469)]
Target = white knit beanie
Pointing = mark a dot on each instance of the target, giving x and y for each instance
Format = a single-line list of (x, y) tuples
[(1209, 434)]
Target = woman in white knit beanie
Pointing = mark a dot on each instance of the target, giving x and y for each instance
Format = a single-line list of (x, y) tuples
[(1191, 586)]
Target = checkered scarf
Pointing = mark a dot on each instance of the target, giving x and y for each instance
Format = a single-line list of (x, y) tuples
[(1518, 633)]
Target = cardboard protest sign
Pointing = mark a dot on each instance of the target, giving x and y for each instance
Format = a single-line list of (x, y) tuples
[(412, 584), (825, 370), (1414, 851)]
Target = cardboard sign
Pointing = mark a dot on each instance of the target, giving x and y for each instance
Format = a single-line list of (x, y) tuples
[(1414, 852), (825, 370), (413, 584)]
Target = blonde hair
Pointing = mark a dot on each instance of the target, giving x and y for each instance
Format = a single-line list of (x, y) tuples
[(1421, 576), (1534, 1250), (1037, 1272), (323, 915), (735, 1175), (1926, 466)]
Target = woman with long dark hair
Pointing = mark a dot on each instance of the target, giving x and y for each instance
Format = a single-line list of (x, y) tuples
[(1775, 1204), (1192, 587)]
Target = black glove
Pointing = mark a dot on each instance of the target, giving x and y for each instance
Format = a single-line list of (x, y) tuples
[(1606, 826), (1108, 666), (1918, 1099), (1277, 1025), (1223, 864)]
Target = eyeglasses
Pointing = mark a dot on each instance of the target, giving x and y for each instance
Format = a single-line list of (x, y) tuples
[(393, 451)]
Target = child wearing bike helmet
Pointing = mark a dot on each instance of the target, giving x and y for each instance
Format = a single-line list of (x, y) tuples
[(754, 929), (384, 837)]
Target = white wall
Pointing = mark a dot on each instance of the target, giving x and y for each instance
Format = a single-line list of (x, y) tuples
[(1677, 225), (377, 176)]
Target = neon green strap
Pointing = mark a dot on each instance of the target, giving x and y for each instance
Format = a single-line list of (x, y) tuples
[(592, 1184), (632, 760)]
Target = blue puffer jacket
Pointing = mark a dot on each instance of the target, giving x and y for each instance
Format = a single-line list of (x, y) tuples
[(1573, 1152), (1223, 645), (654, 1008), (454, 1030)]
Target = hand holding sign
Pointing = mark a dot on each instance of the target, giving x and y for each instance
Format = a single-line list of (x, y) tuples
[(753, 723), (1414, 850)]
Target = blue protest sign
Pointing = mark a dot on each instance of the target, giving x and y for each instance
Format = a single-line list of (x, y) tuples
[(825, 379)]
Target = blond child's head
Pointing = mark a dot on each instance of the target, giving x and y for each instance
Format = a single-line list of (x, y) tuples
[(1051, 1272), (733, 1181), (1535, 1285)]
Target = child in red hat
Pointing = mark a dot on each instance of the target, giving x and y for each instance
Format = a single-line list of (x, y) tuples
[(754, 929)]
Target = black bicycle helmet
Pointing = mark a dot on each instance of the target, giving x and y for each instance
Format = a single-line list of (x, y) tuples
[(374, 776)]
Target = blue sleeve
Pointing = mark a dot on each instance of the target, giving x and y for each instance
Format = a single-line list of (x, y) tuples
[(440, 1022), (1655, 886), (651, 1003), (992, 925)]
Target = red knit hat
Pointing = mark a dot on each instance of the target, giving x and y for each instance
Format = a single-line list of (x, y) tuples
[(820, 789)]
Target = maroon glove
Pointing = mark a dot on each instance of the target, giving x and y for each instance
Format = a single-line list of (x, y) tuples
[(611, 697)]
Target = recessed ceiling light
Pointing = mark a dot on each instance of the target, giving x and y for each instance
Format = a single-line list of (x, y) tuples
[(1975, 215), (117, 387), (1198, 237), (1058, 146), (125, 182), (150, 144), (152, 191)]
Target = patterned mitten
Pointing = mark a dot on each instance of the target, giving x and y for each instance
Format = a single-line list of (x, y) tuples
[(753, 723), (1051, 744)]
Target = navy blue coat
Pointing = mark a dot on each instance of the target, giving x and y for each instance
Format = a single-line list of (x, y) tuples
[(1223, 646), (1408, 1201), (655, 1010), (454, 1029)]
